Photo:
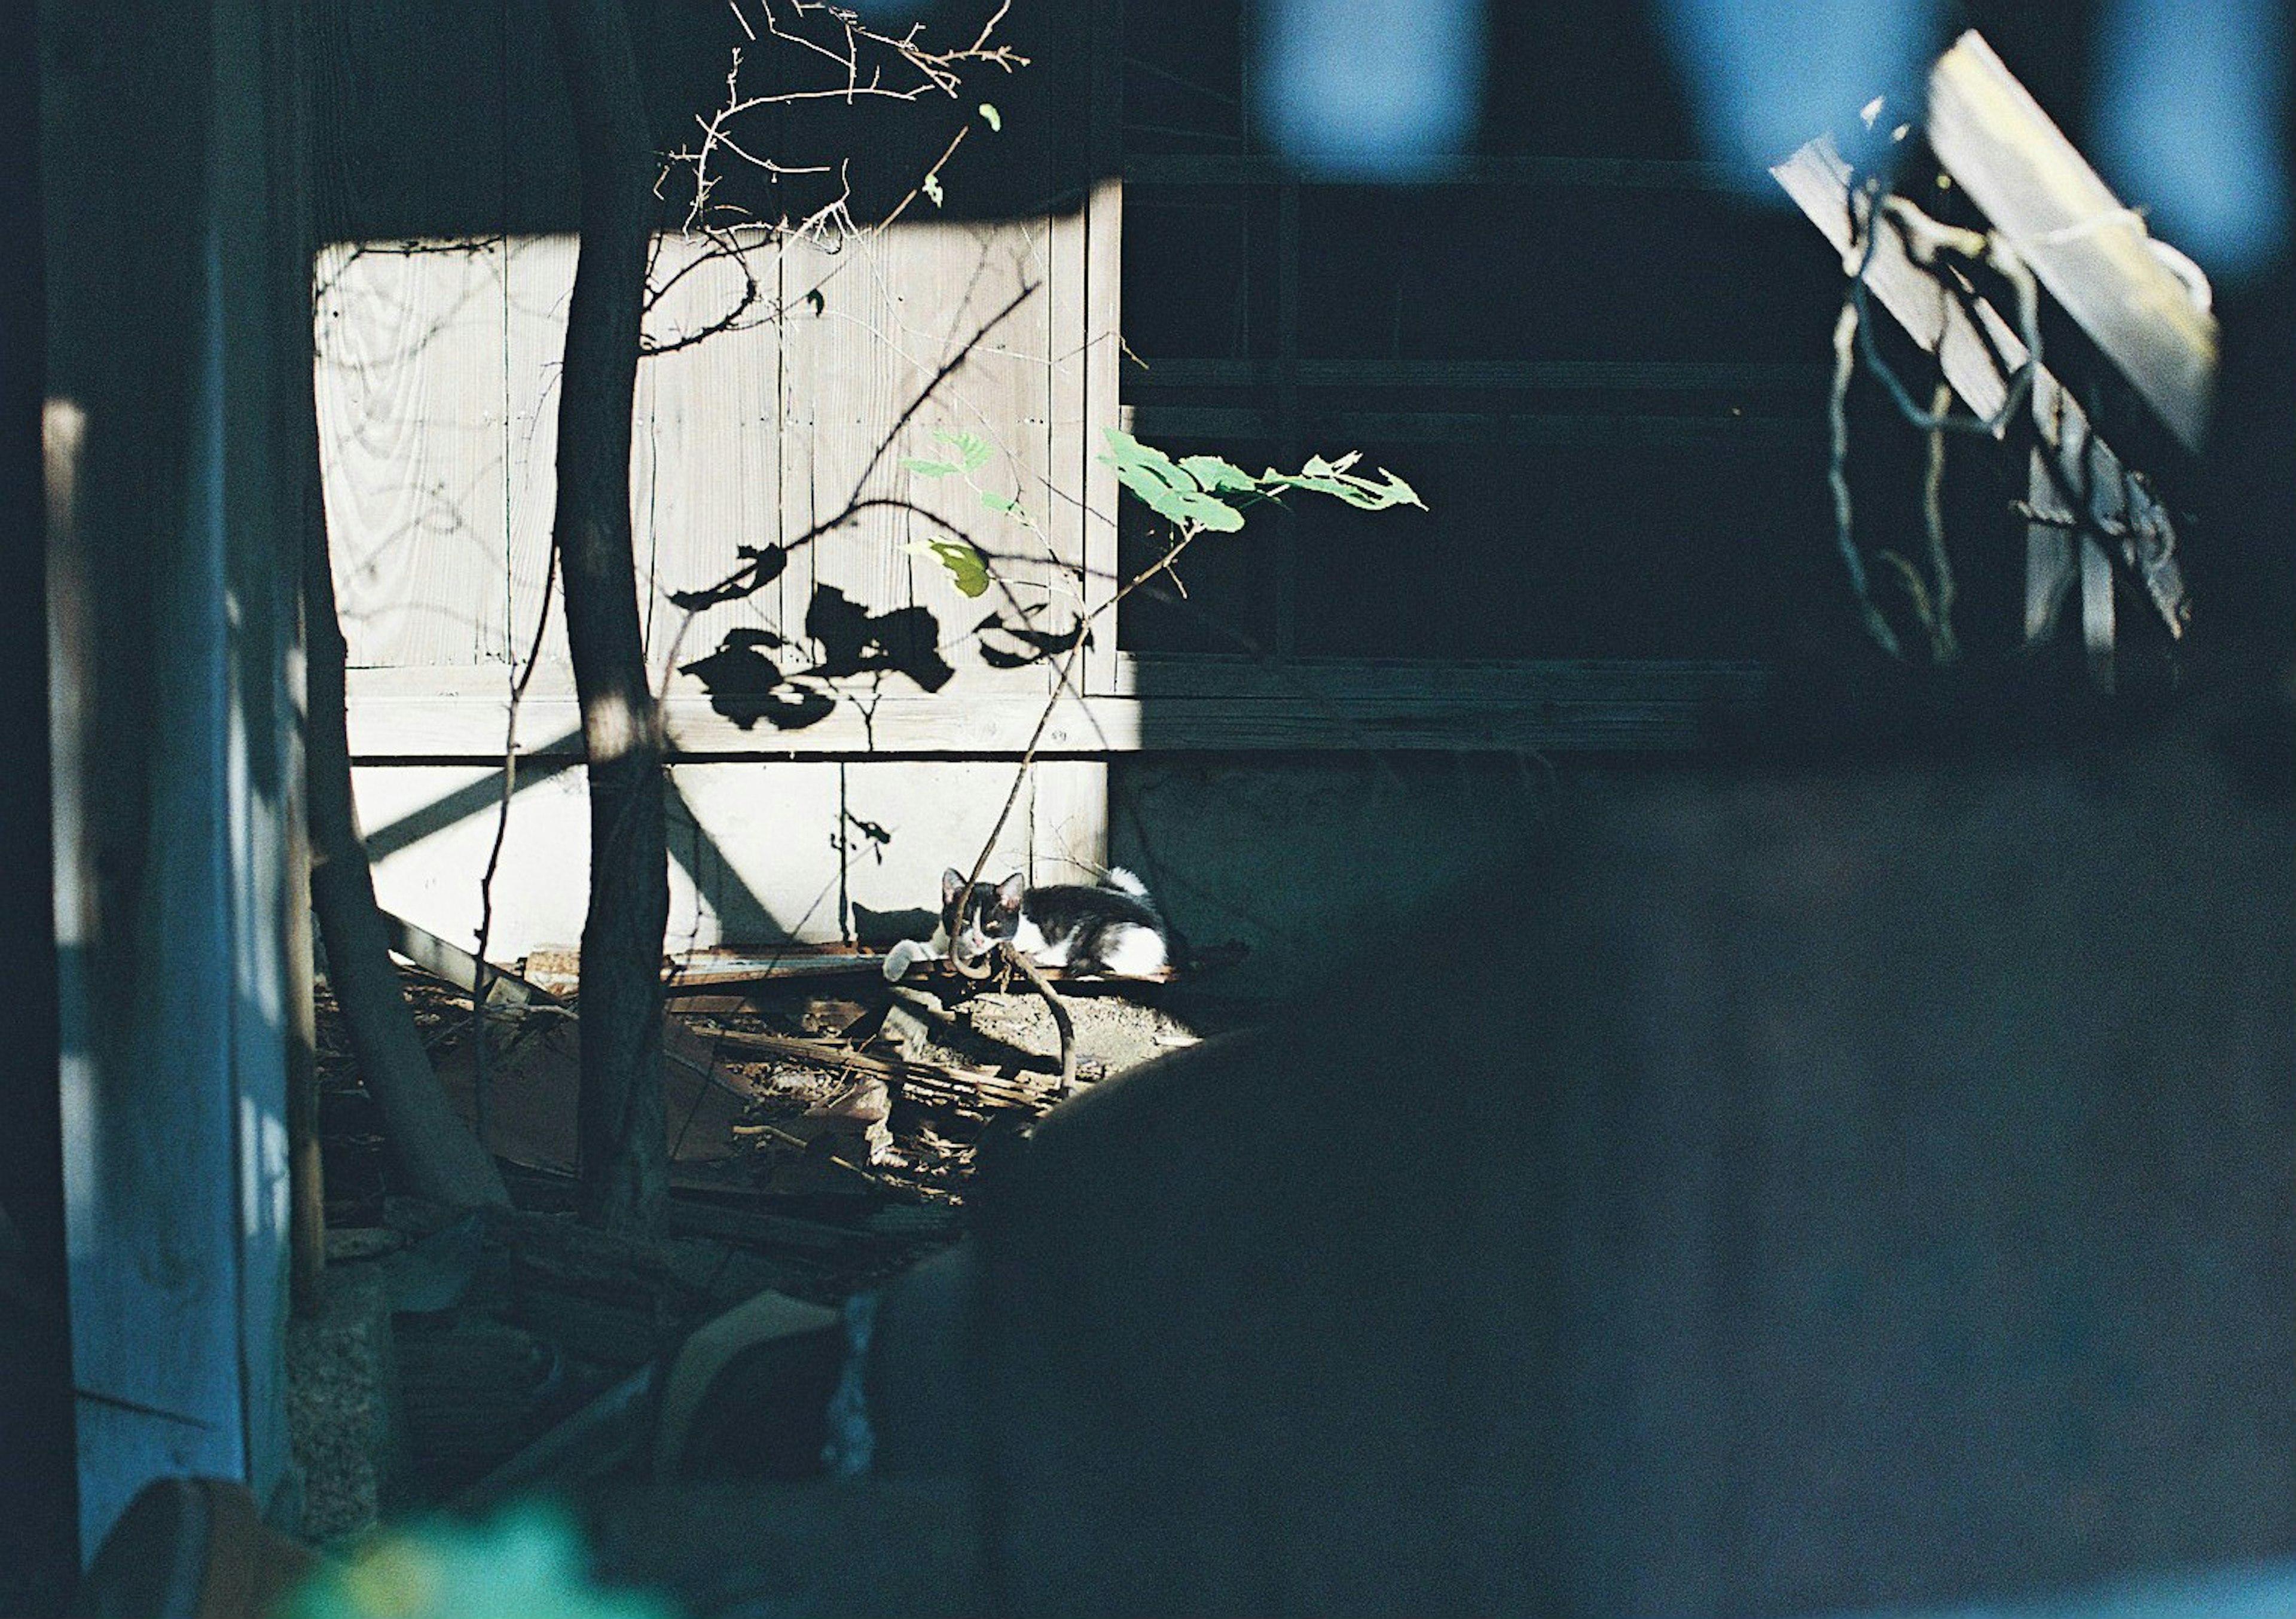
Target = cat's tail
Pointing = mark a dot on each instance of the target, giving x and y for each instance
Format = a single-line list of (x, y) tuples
[(1121, 882), (1124, 882)]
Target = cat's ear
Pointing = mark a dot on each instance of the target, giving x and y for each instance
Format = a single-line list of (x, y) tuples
[(952, 884), (1009, 891)]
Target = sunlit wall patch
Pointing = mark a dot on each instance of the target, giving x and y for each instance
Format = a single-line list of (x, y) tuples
[(1369, 90)]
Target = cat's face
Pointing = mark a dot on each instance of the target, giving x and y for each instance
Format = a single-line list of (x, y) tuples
[(987, 917)]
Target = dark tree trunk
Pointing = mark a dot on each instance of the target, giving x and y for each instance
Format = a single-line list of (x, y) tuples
[(622, 1131), (443, 1160)]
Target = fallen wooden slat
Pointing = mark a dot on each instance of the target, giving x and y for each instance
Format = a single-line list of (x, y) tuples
[(833, 1055), (594, 1441), (686, 977), (2090, 250), (457, 966), (1965, 332)]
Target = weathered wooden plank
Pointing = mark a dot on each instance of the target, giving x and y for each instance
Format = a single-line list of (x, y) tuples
[(764, 848), (173, 325), (2048, 549), (410, 384), (1402, 681), (1059, 500), (1102, 362), (706, 458), (2088, 249), (1068, 819), (402, 715), (539, 275), (1966, 333), (2096, 612), (1594, 430), (1103, 325), (921, 330), (2058, 557), (1638, 376), (1081, 532), (1616, 174)]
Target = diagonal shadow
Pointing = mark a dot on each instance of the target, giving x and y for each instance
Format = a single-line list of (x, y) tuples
[(562, 755), (740, 913)]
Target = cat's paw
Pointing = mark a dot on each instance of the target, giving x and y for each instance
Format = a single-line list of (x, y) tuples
[(898, 960)]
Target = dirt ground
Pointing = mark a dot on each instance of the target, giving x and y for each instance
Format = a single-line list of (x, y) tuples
[(446, 1344)]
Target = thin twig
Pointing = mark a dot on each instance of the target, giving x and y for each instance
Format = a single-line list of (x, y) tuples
[(480, 986), (1057, 1008)]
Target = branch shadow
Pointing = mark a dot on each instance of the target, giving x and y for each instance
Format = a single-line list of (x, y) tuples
[(749, 684), (746, 684)]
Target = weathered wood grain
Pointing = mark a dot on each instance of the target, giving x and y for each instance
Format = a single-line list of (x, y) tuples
[(1640, 376), (707, 462), (1182, 705), (410, 381), (2088, 249), (1967, 333)]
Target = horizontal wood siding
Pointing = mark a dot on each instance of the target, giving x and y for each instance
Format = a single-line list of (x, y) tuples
[(1181, 705), (815, 851)]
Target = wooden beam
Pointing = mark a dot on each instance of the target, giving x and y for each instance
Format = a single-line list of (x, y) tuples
[(1608, 174), (438, 715), (1605, 431), (2090, 250), (1640, 376), (1966, 333)]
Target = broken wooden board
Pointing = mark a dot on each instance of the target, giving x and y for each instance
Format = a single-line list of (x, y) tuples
[(1967, 333), (934, 1077), (533, 1079), (452, 964), (2087, 247), (2058, 557), (852, 1125)]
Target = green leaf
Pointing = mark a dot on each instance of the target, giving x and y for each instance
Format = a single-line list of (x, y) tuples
[(1009, 507), (968, 569), (1332, 477), (1169, 490), (928, 469), (994, 120), (1206, 492), (931, 188), (818, 303), (973, 451), (1216, 476)]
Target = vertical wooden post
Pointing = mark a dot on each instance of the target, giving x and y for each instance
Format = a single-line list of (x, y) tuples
[(39, 1495), (2096, 612), (307, 1217), (172, 599), (2048, 551)]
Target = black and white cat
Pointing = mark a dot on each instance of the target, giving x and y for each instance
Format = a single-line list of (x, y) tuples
[(1110, 927)]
